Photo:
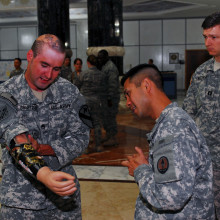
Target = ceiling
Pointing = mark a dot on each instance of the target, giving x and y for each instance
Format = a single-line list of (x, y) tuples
[(26, 10)]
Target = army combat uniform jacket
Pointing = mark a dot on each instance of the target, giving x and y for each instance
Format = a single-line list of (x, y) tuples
[(55, 122), (91, 84), (112, 80), (177, 183), (16, 72), (66, 72), (202, 104)]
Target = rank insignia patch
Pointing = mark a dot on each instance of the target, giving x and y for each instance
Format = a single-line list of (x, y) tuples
[(162, 165)]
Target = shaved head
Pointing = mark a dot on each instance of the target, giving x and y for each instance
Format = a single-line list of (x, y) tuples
[(142, 71), (49, 40)]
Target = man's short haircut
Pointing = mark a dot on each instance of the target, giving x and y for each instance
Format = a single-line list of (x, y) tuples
[(92, 60), (17, 59), (138, 73), (103, 53), (51, 41), (211, 20), (75, 61)]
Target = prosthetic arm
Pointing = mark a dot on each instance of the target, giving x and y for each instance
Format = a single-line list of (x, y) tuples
[(23, 153)]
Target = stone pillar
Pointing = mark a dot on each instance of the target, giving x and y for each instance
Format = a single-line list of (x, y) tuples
[(53, 18), (105, 29)]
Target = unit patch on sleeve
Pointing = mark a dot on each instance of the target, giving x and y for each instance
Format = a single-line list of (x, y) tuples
[(162, 165), (85, 116), (163, 160)]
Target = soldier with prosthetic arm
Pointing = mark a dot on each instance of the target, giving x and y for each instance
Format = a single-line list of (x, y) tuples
[(27, 152)]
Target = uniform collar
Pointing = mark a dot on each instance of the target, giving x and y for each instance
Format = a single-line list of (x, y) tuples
[(162, 116), (93, 68), (210, 66)]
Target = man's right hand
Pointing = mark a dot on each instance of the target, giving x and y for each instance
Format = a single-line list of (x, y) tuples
[(59, 182)]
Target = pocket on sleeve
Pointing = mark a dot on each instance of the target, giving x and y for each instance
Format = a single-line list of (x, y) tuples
[(163, 159)]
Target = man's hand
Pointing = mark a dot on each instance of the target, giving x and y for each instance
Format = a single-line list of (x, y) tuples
[(134, 161), (59, 182)]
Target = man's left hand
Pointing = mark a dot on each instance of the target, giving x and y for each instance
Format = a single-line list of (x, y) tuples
[(134, 161)]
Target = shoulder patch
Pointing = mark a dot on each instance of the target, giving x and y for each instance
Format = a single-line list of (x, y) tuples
[(85, 116), (7, 107), (163, 165), (164, 160)]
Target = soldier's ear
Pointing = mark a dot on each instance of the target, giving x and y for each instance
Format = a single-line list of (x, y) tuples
[(30, 55), (146, 83)]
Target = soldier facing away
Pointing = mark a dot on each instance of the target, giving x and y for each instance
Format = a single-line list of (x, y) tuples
[(92, 85), (110, 101)]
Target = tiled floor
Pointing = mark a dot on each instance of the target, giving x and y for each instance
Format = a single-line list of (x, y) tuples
[(108, 200), (111, 173)]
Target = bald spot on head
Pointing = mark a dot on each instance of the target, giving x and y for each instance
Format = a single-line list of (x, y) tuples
[(49, 40)]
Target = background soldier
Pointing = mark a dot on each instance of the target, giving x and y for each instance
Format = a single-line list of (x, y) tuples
[(111, 100), (78, 69), (66, 71), (91, 84), (18, 70)]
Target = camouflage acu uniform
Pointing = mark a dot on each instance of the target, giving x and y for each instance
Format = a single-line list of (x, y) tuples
[(66, 73), (92, 85), (16, 72), (74, 77), (113, 94), (177, 183), (202, 104), (55, 122)]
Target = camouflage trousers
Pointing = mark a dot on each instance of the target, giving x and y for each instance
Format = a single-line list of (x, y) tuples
[(109, 116), (11, 213), (216, 187)]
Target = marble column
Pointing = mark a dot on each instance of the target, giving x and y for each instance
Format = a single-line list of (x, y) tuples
[(105, 29), (53, 18)]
